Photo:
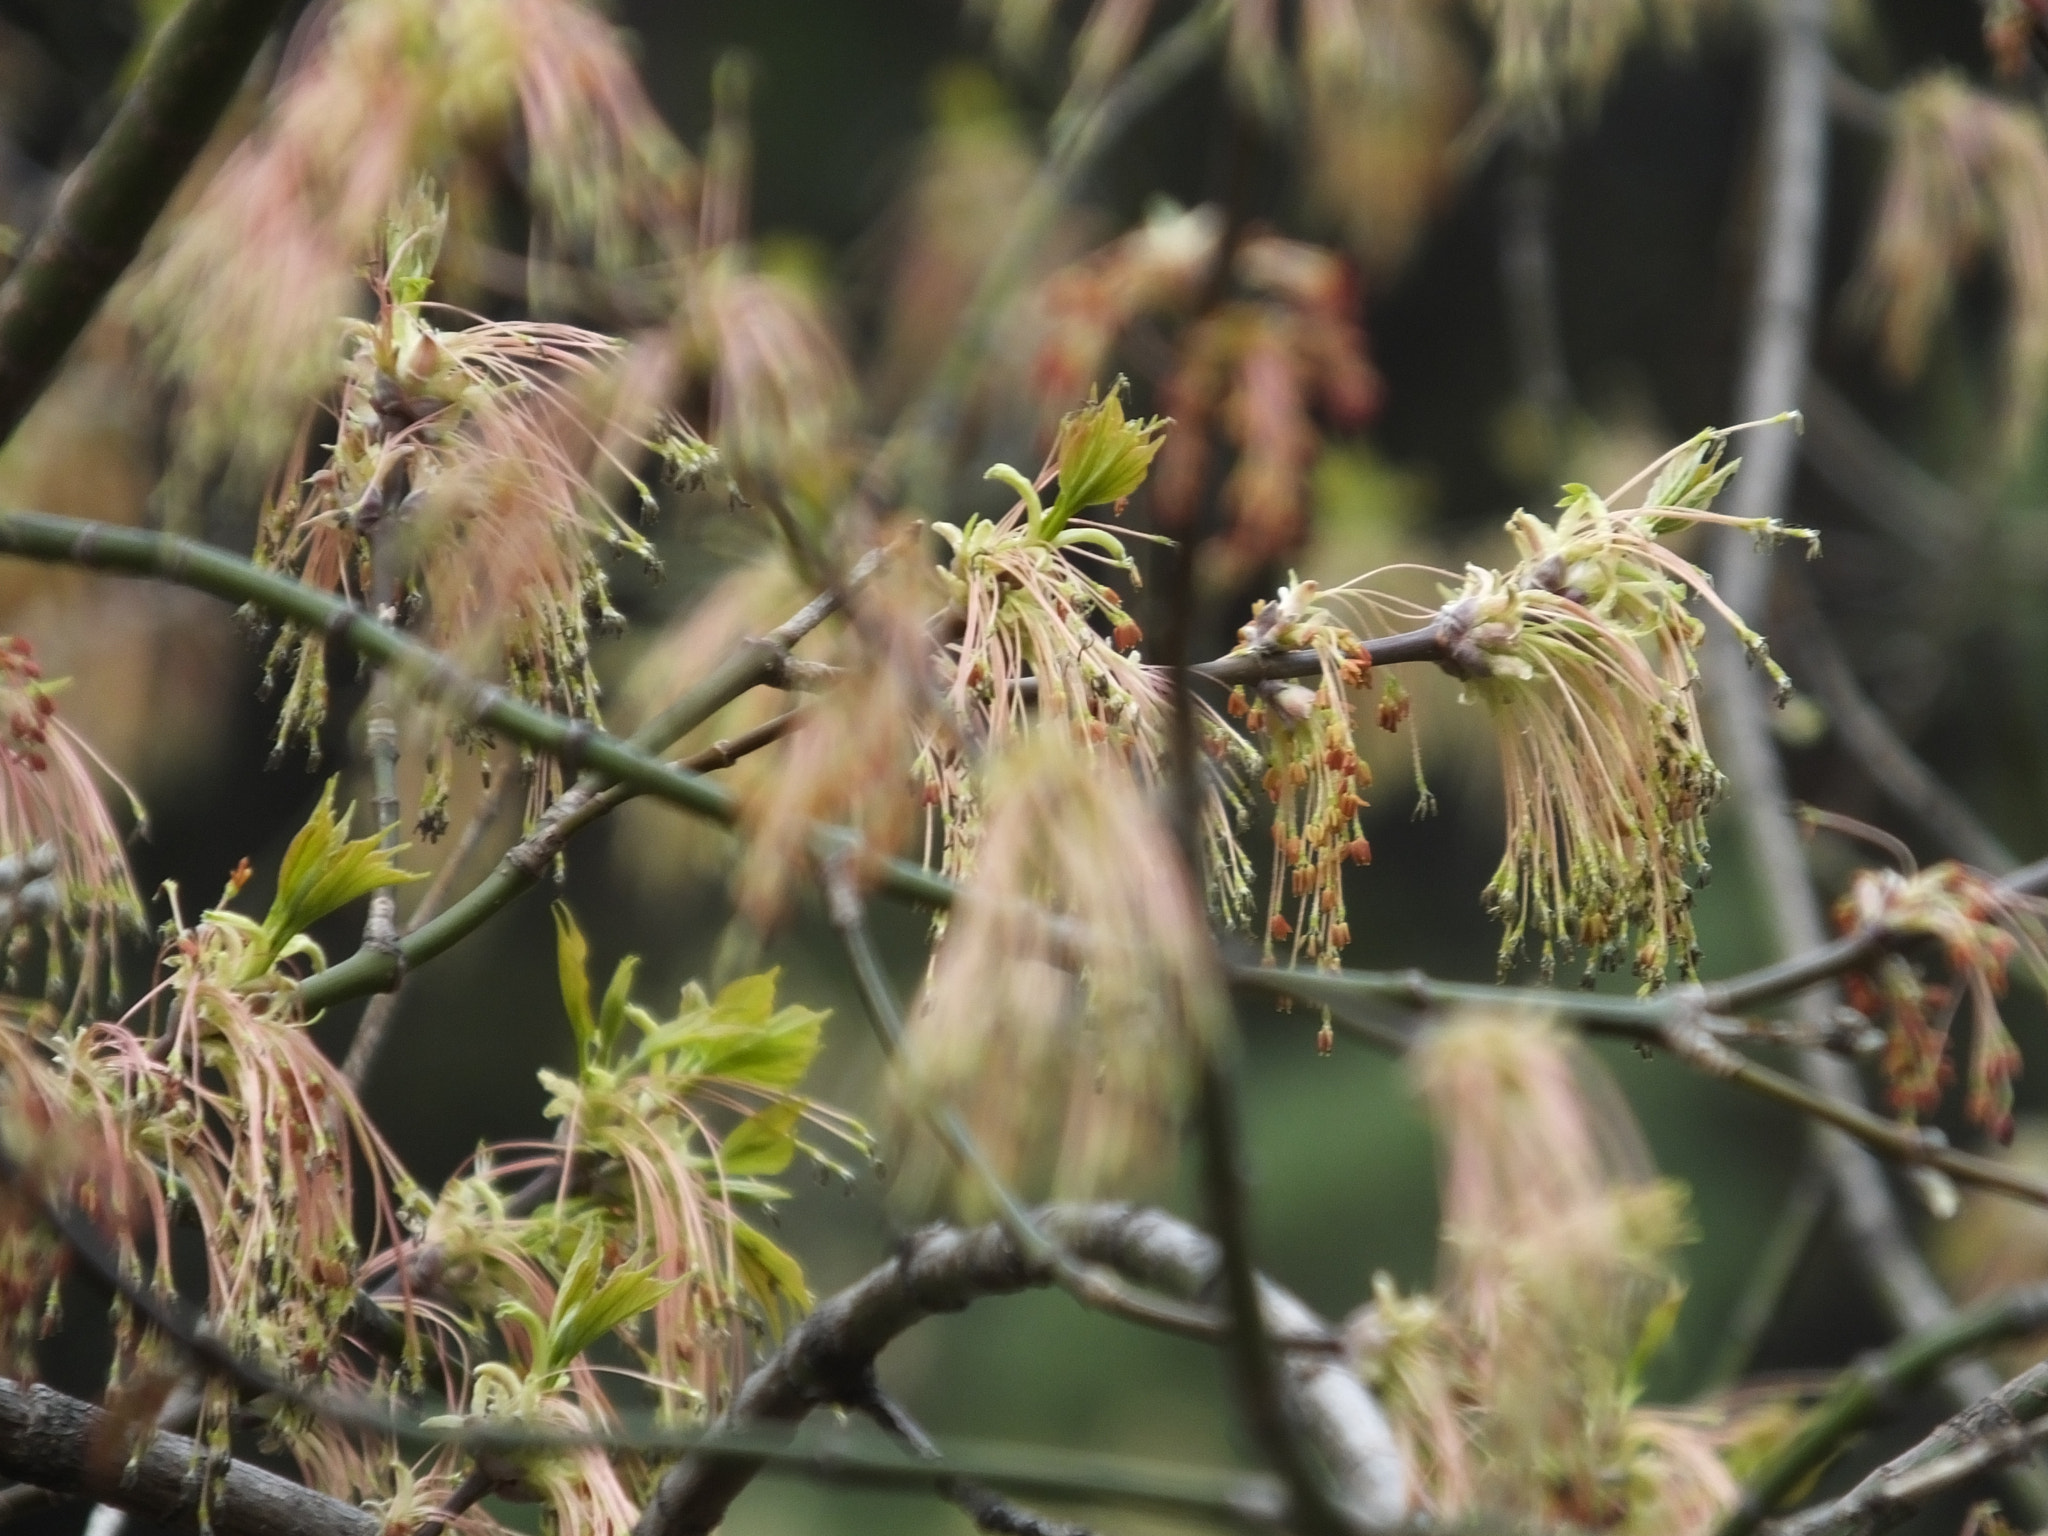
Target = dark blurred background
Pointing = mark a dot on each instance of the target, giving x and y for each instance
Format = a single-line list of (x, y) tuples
[(1653, 226)]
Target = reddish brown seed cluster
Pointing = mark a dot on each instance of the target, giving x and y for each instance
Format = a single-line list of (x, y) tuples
[(1316, 781), (30, 707)]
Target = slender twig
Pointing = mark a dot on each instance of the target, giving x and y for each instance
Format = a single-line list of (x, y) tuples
[(989, 1510), (380, 733), (764, 660), (106, 207), (1860, 106), (1770, 1274), (469, 1493), (1891, 1497), (2000, 1426), (1677, 1022), (375, 1023), (1898, 497)]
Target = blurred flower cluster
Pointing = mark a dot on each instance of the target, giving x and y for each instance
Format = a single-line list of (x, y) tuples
[(1262, 363), (1967, 177), (1515, 1389)]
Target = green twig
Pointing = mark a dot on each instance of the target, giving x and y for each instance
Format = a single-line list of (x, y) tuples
[(1678, 1021), (106, 206), (139, 552)]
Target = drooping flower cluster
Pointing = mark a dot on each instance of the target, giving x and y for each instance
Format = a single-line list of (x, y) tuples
[(1968, 176), (1029, 656), (1514, 1390), (1584, 655), (1314, 775), (210, 1101), (467, 489), (1983, 929), (62, 865), (1068, 1002), (243, 302)]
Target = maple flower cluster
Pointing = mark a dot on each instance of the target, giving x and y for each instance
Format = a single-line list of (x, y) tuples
[(1983, 930), (1314, 775)]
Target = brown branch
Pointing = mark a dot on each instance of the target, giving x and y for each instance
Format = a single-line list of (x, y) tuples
[(105, 208), (2004, 1425), (75, 1450), (829, 1358)]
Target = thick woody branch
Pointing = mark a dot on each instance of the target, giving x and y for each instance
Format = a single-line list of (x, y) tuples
[(1091, 1285), (829, 1358), (107, 205), (74, 1449), (2002, 1426)]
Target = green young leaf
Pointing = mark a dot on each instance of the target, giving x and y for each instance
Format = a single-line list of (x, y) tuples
[(741, 1035), (1694, 476), (772, 1277), (412, 244), (323, 872), (612, 1012), (749, 1000), (763, 1143), (1656, 1332), (1103, 457), (624, 1295), (572, 960)]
